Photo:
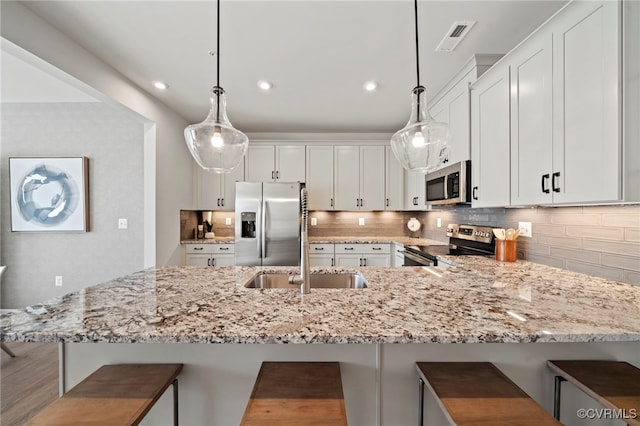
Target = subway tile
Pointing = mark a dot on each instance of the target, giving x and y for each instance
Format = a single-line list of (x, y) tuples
[(631, 220), (622, 262), (576, 219), (560, 241), (631, 278), (546, 260), (632, 234), (573, 254), (534, 249), (595, 270), (614, 209), (547, 229), (630, 249), (597, 232)]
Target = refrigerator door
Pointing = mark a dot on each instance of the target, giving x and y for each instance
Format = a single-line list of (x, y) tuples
[(281, 224), (248, 224)]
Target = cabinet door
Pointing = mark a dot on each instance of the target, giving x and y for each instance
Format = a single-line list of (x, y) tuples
[(490, 138), (415, 190), (319, 177), (290, 163), (376, 260), (259, 164), (320, 260), (228, 201), (223, 260), (531, 121), (198, 260), (458, 108), (208, 189), (348, 260), (587, 143), (372, 178), (394, 184), (347, 177)]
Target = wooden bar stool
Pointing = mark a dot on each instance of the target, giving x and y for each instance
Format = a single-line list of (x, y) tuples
[(614, 384), (477, 393), (115, 395), (297, 393)]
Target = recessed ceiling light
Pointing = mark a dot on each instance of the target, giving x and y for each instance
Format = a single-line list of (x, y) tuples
[(160, 85), (264, 85), (370, 86)]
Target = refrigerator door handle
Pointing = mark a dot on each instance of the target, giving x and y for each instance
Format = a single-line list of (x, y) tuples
[(263, 225)]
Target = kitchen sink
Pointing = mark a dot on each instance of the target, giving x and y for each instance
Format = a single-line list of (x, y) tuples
[(273, 280)]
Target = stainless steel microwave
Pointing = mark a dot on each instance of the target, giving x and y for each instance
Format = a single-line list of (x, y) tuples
[(449, 185)]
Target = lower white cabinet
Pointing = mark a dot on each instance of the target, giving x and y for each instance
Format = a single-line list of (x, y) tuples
[(362, 254), (321, 255), (210, 255), (397, 254)]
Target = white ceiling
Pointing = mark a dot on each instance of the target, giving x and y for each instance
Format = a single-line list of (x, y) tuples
[(317, 53)]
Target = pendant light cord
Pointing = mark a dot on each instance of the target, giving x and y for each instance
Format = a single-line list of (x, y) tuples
[(415, 3), (218, 62)]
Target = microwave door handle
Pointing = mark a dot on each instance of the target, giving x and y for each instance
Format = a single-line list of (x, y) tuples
[(446, 187)]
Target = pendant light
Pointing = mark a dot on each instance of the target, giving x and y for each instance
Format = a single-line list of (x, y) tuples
[(215, 144), (423, 144)]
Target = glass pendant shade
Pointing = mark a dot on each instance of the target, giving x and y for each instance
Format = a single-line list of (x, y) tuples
[(215, 144), (423, 144)]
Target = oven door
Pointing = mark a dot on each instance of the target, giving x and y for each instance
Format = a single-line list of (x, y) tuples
[(412, 259)]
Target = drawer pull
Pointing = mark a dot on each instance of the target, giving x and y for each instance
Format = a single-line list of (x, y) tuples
[(348, 248), (318, 248), (376, 248), (198, 248), (224, 248)]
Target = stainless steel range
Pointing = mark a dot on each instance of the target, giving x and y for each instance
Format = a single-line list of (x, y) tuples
[(463, 240)]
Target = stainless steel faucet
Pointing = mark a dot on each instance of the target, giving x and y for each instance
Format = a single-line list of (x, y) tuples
[(303, 279)]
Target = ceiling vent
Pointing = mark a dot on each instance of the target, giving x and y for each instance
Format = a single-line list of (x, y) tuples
[(456, 33)]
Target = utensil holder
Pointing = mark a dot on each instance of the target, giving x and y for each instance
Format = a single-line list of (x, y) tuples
[(506, 250)]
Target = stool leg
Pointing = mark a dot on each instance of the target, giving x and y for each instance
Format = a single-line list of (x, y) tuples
[(556, 396), (175, 402), (421, 401), (7, 350)]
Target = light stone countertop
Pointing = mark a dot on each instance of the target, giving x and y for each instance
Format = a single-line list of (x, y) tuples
[(333, 240), (480, 300)]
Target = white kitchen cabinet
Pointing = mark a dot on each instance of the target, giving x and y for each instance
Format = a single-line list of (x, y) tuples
[(359, 177), (275, 163), (397, 254), (414, 190), (490, 139), (531, 120), (394, 181), (586, 103), (319, 177), (210, 254), (321, 254), (362, 254), (217, 191)]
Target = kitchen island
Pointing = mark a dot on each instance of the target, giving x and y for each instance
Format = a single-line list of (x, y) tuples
[(207, 319)]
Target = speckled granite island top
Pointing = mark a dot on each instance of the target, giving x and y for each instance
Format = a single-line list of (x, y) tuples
[(479, 301)]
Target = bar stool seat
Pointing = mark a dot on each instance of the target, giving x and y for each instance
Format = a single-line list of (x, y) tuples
[(614, 384)]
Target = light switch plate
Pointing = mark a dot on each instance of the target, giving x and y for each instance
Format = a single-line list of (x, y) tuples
[(439, 222), (525, 229), (227, 221), (361, 221), (314, 221), (58, 280), (123, 223)]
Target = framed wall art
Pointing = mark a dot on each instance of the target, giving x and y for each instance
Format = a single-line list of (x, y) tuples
[(49, 194)]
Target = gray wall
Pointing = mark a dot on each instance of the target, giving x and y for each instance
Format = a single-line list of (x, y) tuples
[(599, 240), (114, 144)]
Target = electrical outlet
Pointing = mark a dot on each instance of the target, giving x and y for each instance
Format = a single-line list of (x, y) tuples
[(439, 223), (123, 223), (361, 221), (227, 221), (58, 280), (314, 221), (525, 229)]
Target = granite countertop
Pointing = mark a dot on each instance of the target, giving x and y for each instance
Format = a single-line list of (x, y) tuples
[(480, 300), (335, 240)]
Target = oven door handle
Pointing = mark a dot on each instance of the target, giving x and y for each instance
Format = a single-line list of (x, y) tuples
[(419, 259)]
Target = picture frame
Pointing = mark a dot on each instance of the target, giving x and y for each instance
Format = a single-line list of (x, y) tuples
[(49, 194)]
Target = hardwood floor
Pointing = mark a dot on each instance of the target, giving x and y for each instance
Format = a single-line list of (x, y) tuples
[(28, 382)]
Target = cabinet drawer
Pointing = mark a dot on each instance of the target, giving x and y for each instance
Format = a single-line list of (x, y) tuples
[(321, 249), (363, 248), (210, 248)]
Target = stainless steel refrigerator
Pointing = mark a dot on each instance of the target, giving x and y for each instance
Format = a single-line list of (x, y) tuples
[(267, 224)]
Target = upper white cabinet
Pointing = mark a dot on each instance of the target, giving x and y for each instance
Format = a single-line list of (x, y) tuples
[(414, 190), (490, 138), (394, 182), (452, 105), (275, 163), (217, 191), (319, 177), (359, 177)]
